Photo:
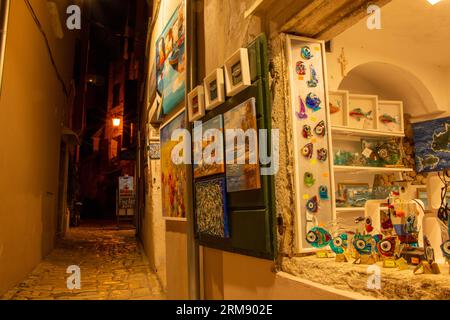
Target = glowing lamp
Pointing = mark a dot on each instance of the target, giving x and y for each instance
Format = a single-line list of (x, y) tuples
[(433, 2), (116, 122)]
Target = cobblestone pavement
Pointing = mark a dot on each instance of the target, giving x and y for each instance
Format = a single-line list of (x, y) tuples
[(113, 267)]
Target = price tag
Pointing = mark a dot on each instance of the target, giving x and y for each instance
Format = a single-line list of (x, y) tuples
[(367, 152), (321, 254), (389, 264)]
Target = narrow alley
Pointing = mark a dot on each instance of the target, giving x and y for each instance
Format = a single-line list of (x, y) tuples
[(112, 263)]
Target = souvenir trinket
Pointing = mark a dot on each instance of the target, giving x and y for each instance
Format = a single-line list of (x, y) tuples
[(339, 244), (358, 114), (301, 115), (312, 83), (320, 129), (387, 247), (318, 237), (387, 119), (300, 68), (334, 109), (313, 102), (309, 179), (306, 53), (322, 154), (323, 193), (307, 151), (445, 247), (368, 225), (363, 244), (306, 132), (312, 205)]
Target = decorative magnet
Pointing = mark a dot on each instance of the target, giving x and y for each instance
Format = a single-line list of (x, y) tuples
[(306, 53), (312, 205), (300, 68), (323, 193), (307, 151), (339, 244), (309, 179), (322, 154), (307, 133), (302, 114), (368, 225), (320, 129), (313, 102), (312, 83)]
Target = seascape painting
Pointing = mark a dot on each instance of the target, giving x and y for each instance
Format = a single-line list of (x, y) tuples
[(432, 145), (242, 175), (171, 62), (211, 208), (206, 166), (173, 177)]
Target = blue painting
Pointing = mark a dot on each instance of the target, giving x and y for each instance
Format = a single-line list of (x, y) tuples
[(432, 145), (171, 62)]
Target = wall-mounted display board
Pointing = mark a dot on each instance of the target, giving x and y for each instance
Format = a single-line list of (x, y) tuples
[(314, 186), (234, 204)]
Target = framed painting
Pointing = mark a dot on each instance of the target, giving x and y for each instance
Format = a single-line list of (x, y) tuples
[(171, 62), (209, 148), (214, 85), (173, 176), (237, 72), (211, 208), (196, 104), (242, 158), (154, 151)]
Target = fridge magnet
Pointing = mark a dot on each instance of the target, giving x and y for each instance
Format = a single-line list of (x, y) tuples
[(306, 132), (196, 104), (318, 237), (335, 108), (301, 115), (322, 154), (312, 205), (214, 86), (323, 193), (313, 82), (308, 150), (320, 129), (306, 53), (237, 72), (313, 102), (300, 68), (309, 180), (211, 208)]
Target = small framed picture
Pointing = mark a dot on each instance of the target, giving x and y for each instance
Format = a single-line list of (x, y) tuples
[(196, 104), (154, 151), (237, 72), (214, 89), (153, 132)]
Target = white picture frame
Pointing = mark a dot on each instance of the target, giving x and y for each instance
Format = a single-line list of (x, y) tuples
[(368, 104), (339, 99), (214, 97), (392, 109), (196, 104), (237, 79)]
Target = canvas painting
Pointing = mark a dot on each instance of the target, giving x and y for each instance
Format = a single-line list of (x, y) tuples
[(212, 159), (171, 62), (211, 208), (243, 173), (432, 145), (173, 177)]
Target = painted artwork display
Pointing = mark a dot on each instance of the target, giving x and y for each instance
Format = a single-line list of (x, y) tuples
[(432, 145), (211, 208), (243, 173), (214, 85), (362, 112), (196, 104), (237, 72), (171, 62), (173, 176), (212, 160)]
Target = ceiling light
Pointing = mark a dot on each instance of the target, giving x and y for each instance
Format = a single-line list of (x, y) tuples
[(433, 2)]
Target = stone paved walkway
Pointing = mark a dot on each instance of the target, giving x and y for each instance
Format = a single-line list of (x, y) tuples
[(113, 267)]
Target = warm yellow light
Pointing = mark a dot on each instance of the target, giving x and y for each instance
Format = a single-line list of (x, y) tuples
[(116, 122), (433, 2)]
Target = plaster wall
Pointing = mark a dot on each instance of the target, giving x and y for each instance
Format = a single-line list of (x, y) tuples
[(32, 104)]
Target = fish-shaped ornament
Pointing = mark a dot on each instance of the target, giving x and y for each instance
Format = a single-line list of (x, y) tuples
[(445, 247), (334, 109), (322, 154), (313, 102), (441, 140), (300, 68), (323, 193), (358, 114), (308, 150), (320, 129), (339, 244), (306, 53), (313, 82), (386, 247), (377, 239), (318, 237), (308, 179), (387, 119), (306, 132), (312, 205), (363, 244), (301, 115)]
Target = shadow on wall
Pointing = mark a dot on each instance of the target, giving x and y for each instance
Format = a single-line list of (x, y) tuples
[(391, 82)]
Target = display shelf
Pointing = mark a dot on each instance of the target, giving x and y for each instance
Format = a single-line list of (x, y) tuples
[(356, 169), (344, 132), (355, 209)]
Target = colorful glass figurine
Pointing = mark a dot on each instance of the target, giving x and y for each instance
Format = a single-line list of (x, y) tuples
[(386, 221), (301, 115), (322, 154), (410, 224), (309, 179), (306, 132), (368, 225), (377, 239), (387, 119), (339, 244), (445, 247), (323, 193), (334, 109), (312, 205), (318, 237), (308, 150), (363, 244), (387, 246), (312, 83), (300, 68), (313, 102), (306, 53), (320, 129), (358, 114)]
